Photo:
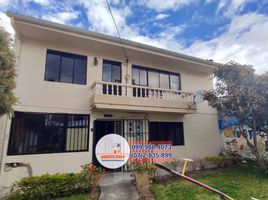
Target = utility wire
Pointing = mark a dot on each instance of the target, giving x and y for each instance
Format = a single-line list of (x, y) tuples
[(122, 44)]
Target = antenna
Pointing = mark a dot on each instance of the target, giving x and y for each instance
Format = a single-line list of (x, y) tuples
[(198, 97)]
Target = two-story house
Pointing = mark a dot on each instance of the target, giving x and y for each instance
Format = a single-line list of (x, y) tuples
[(75, 86)]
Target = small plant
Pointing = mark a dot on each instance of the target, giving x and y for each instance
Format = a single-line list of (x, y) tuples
[(143, 184), (202, 164), (144, 173), (194, 165), (91, 173), (144, 166), (220, 161), (173, 164)]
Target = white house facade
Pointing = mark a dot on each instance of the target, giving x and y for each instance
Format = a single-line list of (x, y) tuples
[(75, 86)]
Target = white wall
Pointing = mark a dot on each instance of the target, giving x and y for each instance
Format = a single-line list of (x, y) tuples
[(37, 95)]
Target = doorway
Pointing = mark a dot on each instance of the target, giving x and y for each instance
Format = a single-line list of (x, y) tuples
[(102, 128)]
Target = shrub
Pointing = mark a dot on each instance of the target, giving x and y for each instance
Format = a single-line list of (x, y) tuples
[(48, 186), (92, 174), (173, 164), (220, 161), (144, 166)]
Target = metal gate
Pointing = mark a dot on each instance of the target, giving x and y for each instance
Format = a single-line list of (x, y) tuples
[(135, 130)]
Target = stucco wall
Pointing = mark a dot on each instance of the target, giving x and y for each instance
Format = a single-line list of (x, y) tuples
[(36, 95)]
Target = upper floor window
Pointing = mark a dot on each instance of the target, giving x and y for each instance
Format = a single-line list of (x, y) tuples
[(155, 78), (111, 71), (139, 76), (66, 67)]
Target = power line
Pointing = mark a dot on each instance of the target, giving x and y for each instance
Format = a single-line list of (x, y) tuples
[(122, 44)]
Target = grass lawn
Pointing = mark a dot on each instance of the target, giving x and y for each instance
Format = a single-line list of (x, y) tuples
[(241, 183), (75, 197)]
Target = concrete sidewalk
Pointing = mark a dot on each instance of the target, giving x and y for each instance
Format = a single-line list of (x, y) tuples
[(118, 185)]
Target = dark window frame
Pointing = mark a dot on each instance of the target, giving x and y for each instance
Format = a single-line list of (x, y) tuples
[(66, 55), (147, 69), (66, 115), (112, 62), (168, 124)]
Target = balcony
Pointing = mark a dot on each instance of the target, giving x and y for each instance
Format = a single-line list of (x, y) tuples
[(132, 98)]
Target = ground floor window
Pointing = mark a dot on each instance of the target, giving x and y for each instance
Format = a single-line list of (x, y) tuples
[(34, 133), (167, 131)]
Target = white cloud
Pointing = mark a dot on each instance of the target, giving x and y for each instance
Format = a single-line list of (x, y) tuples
[(101, 20), (103, 23), (161, 16), (209, 1), (42, 2), (245, 42), (13, 3), (4, 3), (165, 39), (62, 18), (231, 7), (244, 39), (161, 5)]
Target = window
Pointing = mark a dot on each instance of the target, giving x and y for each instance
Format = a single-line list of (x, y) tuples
[(167, 131), (139, 76), (35, 133), (164, 81), (174, 82), (111, 71), (155, 78), (66, 67)]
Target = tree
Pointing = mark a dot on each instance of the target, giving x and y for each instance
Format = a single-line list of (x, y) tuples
[(7, 75), (242, 93)]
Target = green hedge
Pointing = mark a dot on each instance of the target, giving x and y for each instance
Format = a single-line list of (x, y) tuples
[(219, 158), (50, 186)]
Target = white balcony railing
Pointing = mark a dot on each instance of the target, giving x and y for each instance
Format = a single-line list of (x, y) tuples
[(118, 89)]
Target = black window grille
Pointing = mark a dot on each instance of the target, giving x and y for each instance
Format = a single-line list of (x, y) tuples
[(167, 131), (36, 133)]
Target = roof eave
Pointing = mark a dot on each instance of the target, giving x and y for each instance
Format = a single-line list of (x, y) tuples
[(109, 38)]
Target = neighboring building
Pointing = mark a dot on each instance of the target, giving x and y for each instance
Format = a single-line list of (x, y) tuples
[(74, 86)]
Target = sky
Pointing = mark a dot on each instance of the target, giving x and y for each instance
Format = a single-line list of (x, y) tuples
[(221, 30)]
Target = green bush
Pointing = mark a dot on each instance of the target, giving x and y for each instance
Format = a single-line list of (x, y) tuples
[(221, 161), (219, 158), (50, 186), (144, 167), (173, 164)]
